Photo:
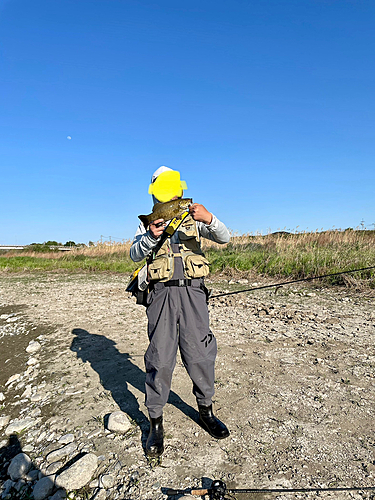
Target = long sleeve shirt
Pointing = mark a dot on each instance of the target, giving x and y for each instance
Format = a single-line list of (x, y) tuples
[(144, 242)]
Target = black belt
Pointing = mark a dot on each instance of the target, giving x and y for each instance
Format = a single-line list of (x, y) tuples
[(181, 282)]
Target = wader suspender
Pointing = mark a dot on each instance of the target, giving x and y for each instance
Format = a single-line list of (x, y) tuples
[(141, 295)]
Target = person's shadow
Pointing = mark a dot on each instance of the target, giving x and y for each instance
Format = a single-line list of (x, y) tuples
[(117, 372), (9, 478)]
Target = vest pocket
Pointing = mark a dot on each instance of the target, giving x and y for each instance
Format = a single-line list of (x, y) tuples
[(159, 269), (187, 232), (196, 266)]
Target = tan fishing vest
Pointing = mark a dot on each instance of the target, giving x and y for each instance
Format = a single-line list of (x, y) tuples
[(161, 267)]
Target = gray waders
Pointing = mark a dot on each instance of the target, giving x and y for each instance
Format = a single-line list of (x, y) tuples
[(178, 318)]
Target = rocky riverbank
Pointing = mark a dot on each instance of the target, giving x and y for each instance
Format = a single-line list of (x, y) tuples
[(295, 385)]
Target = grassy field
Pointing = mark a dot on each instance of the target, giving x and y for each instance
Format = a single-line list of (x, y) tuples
[(279, 255)]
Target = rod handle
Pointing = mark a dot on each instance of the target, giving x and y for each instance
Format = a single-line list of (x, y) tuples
[(198, 493)]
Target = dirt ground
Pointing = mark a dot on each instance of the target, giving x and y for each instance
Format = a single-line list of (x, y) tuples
[(295, 384)]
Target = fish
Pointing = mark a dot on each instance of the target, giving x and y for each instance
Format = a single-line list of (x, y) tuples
[(167, 211)]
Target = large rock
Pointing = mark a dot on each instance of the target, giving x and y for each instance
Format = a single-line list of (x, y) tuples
[(78, 474), (19, 425), (62, 452), (19, 466), (119, 422), (44, 487), (59, 495)]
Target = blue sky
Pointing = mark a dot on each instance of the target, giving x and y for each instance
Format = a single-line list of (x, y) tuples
[(265, 107)]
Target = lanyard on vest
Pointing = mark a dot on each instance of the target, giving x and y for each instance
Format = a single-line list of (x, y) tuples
[(139, 282), (168, 232)]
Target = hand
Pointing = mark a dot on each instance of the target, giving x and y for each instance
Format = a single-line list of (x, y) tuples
[(200, 213), (156, 228)]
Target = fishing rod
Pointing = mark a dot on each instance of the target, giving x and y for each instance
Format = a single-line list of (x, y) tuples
[(289, 282), (219, 490)]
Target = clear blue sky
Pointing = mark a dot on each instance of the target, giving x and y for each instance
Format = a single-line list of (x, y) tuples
[(265, 107)]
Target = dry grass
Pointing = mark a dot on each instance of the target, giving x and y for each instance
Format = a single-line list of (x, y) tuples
[(103, 249), (297, 255)]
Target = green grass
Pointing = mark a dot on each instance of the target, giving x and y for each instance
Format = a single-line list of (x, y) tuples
[(299, 256), (285, 256), (72, 263)]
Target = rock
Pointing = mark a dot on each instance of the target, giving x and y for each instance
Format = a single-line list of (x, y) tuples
[(66, 439), (28, 447), (53, 468), (100, 495), (32, 361), (36, 412), (33, 346), (13, 378), (43, 434), (59, 495), (19, 425), (94, 434), (51, 447), (19, 466), (51, 436), (20, 484), (27, 392), (4, 421), (118, 422), (6, 487), (32, 475), (44, 487), (107, 481), (2, 397), (36, 397), (62, 452), (78, 474)]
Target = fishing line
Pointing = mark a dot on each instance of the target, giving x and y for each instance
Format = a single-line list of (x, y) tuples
[(289, 282)]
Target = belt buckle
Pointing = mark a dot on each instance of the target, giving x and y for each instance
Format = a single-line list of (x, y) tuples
[(181, 282)]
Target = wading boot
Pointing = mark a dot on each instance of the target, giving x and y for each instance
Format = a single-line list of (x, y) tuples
[(212, 424), (154, 444)]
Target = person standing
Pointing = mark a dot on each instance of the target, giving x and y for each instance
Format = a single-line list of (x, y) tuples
[(177, 309)]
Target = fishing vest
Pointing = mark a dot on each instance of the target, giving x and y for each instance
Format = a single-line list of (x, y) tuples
[(161, 265)]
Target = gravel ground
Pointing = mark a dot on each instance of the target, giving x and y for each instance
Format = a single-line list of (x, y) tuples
[(295, 380)]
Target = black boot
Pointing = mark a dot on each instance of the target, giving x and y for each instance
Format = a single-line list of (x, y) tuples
[(154, 444), (212, 424)]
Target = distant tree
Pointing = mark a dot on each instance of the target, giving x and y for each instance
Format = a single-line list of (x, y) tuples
[(91, 244), (70, 244), (52, 243)]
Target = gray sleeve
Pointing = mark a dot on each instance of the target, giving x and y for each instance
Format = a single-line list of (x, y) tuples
[(216, 231), (142, 245)]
